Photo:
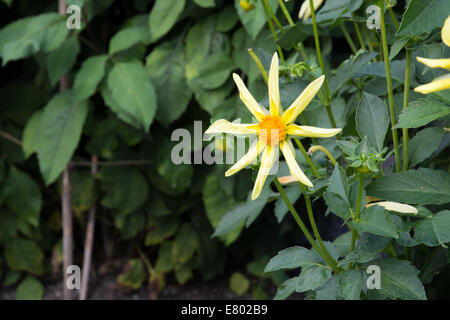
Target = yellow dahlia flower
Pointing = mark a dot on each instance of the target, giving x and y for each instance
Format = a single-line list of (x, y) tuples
[(280, 126), (441, 83)]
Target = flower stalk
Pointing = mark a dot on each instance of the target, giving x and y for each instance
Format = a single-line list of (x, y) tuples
[(405, 133), (326, 257), (313, 149), (357, 209), (307, 157), (258, 64), (389, 88)]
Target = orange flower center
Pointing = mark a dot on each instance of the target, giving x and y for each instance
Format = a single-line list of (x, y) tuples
[(271, 130)]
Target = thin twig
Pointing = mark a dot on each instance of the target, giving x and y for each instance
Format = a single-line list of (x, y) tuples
[(66, 196), (111, 163), (9, 137), (89, 241)]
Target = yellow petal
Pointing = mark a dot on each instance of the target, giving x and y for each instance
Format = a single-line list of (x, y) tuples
[(267, 160), (294, 169), (253, 106), (251, 155), (287, 179), (435, 63), (308, 131), (224, 126), (303, 100), (274, 89), (445, 33), (395, 206), (434, 86)]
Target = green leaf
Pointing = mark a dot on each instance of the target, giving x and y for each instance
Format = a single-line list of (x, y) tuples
[(292, 258), (25, 37), (423, 16), (286, 289), (185, 244), (61, 60), (22, 195), (214, 71), (338, 182), (293, 193), (217, 203), (133, 93), (239, 284), (127, 38), (205, 3), (30, 136), (421, 186), (313, 277), (434, 230), (350, 283), (125, 189), (163, 16), (399, 279), (375, 220), (349, 68), (89, 76), (372, 120), (227, 19), (24, 255), (161, 230), (11, 278), (333, 10), (370, 245), (293, 36), (165, 66), (183, 273), (421, 112), (337, 204), (83, 192), (255, 19), (135, 276), (424, 144), (30, 289), (247, 211), (164, 263), (60, 131)]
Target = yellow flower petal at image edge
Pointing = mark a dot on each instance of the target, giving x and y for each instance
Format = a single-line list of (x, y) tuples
[(305, 9), (273, 130), (395, 206), (441, 83)]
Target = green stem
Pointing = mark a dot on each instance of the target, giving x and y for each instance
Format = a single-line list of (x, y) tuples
[(272, 29), (316, 232), (389, 87), (286, 13), (358, 34), (347, 37), (302, 51), (357, 210), (391, 12), (272, 14), (308, 159), (302, 226), (258, 64), (391, 249), (322, 66), (405, 105), (324, 150)]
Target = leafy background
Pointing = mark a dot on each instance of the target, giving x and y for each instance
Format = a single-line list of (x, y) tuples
[(140, 69)]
